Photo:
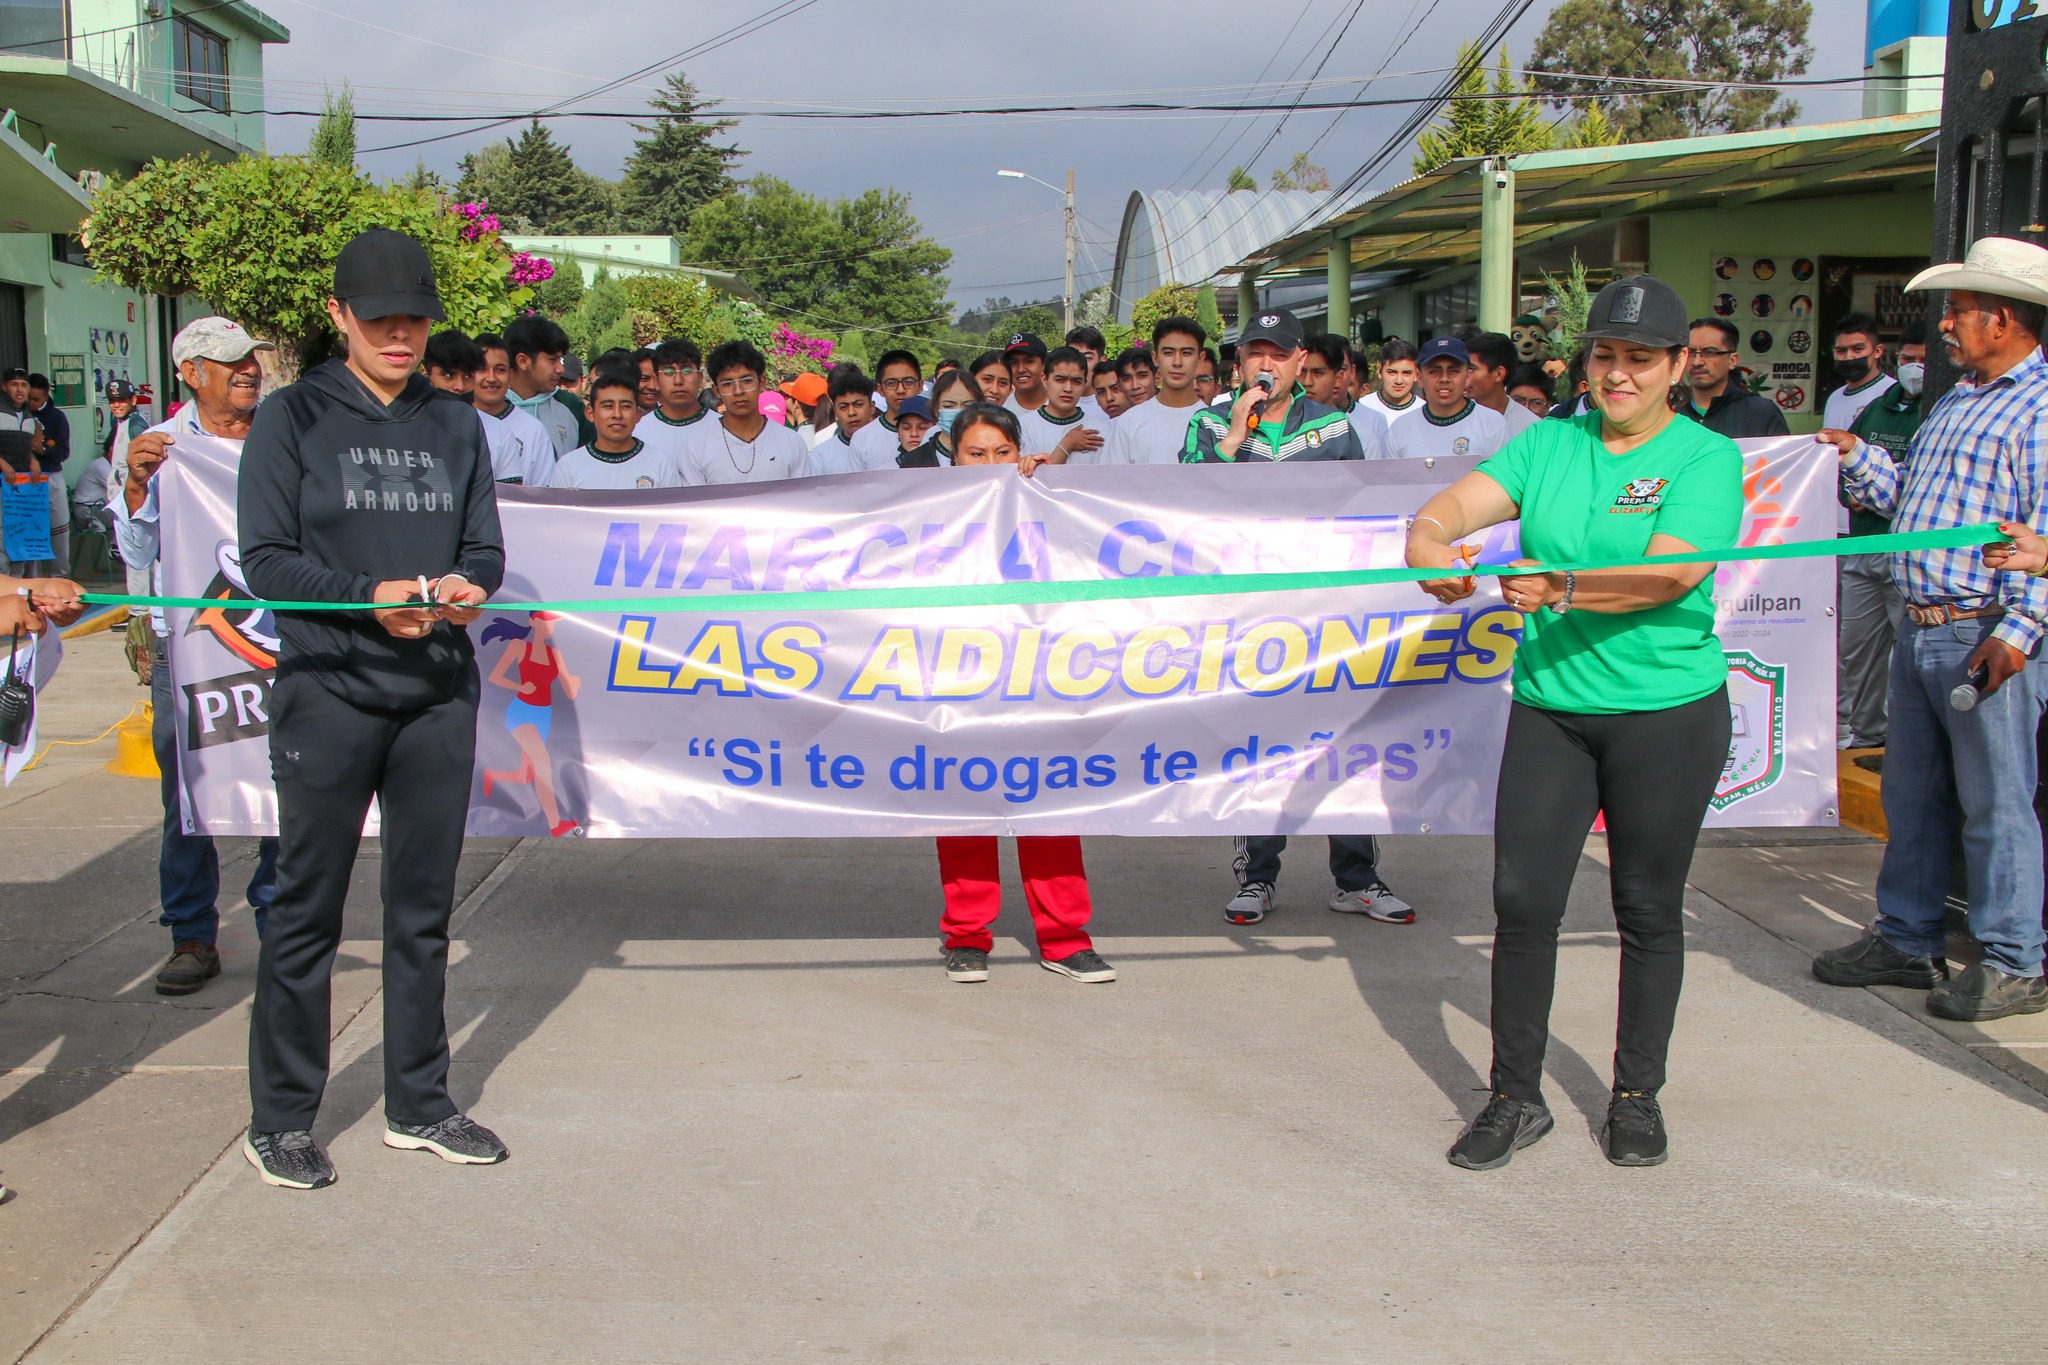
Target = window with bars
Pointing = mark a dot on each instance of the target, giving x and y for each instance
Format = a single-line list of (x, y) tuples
[(201, 58)]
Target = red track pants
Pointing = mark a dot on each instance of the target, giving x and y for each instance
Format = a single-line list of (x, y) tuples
[(1055, 887)]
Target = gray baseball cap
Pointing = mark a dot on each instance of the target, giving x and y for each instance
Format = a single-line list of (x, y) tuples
[(1638, 308), (215, 339)]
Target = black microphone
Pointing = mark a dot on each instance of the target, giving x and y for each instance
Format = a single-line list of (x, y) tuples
[(1264, 381), (1968, 694)]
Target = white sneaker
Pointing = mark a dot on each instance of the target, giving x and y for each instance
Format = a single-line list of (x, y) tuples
[(1376, 902), (1252, 903)]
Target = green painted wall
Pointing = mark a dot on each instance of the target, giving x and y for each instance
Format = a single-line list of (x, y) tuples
[(71, 312)]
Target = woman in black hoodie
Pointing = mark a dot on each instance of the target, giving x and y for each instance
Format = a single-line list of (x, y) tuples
[(362, 483)]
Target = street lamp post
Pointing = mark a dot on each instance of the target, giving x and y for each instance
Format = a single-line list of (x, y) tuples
[(1068, 297)]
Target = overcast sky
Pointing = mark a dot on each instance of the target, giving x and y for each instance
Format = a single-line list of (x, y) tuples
[(1005, 234)]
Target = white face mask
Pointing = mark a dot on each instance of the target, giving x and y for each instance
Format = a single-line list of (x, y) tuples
[(1912, 377)]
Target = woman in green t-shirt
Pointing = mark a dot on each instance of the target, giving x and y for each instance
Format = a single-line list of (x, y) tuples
[(1620, 702)]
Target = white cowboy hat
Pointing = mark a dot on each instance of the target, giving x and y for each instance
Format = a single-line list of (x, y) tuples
[(1996, 265)]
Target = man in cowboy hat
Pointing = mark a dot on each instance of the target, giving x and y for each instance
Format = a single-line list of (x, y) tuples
[(1968, 765)]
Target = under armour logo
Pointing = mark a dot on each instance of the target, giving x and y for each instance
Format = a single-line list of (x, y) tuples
[(291, 755)]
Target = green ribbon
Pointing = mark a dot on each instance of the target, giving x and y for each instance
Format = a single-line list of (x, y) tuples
[(1120, 589)]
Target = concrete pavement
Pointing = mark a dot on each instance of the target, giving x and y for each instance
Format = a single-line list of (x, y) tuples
[(750, 1119)]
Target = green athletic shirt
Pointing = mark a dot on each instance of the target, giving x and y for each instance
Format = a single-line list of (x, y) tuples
[(1579, 501)]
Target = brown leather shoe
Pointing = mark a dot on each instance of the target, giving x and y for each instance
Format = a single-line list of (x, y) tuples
[(192, 965)]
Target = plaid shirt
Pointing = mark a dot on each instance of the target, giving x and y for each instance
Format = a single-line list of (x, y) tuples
[(1980, 456)]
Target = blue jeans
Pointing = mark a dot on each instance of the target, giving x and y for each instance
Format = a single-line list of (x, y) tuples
[(1975, 771), (188, 866)]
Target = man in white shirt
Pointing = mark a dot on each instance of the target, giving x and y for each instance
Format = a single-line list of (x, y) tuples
[(1156, 431), (741, 445), (678, 394), (1447, 422), (1394, 393), (1025, 355), (1493, 359), (1137, 375), (522, 450), (1207, 382), (847, 450), (1325, 372), (1109, 394), (1058, 429), (616, 458), (216, 359), (1859, 365), (1090, 342)]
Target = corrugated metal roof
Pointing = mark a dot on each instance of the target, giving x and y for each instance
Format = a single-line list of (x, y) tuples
[(1187, 238), (1433, 220)]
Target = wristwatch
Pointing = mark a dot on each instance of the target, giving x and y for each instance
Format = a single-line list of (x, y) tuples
[(1571, 585)]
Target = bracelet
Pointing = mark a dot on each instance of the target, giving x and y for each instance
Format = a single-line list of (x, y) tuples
[(1432, 521), (1571, 585)]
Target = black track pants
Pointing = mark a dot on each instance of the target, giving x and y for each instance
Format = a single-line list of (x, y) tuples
[(329, 759), (1653, 773)]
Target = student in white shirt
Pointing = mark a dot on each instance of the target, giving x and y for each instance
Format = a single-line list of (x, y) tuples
[(741, 445), (847, 450), (1137, 375), (1026, 357), (1493, 359), (617, 458), (1156, 430), (522, 450), (1057, 429), (1447, 422), (1208, 383), (1325, 376), (1395, 393), (1109, 394), (990, 372), (678, 394), (1090, 342)]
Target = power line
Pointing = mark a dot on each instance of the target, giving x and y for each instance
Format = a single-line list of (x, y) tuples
[(777, 12)]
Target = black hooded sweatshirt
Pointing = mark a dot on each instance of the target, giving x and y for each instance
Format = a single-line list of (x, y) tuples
[(340, 491)]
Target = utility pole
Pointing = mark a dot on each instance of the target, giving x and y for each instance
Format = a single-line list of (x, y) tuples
[(1070, 249)]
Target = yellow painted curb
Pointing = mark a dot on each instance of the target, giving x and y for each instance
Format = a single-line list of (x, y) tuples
[(117, 619), (1861, 793)]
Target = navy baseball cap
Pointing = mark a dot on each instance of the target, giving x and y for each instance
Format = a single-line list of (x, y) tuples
[(918, 406), (1026, 342), (1443, 347)]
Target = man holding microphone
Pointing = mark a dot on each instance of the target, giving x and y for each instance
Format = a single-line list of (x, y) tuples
[(363, 484)]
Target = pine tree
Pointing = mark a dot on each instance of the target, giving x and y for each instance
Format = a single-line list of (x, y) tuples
[(1592, 128), (534, 183), (1475, 125), (334, 137), (676, 166)]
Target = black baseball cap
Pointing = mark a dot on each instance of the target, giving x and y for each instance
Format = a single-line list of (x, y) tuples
[(1025, 341), (16, 373), (382, 272), (1638, 308), (1276, 325), (119, 388)]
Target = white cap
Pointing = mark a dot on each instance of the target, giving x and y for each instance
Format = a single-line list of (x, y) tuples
[(214, 339)]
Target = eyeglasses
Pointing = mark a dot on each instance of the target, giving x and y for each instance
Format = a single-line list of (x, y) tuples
[(1710, 352), (676, 371), (900, 385), (745, 383)]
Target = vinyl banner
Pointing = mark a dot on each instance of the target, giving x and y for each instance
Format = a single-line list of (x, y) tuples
[(1353, 710)]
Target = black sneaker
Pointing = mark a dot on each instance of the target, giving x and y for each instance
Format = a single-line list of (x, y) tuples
[(457, 1138), (1871, 961), (191, 966), (966, 964), (1086, 965), (1985, 992), (1503, 1127), (1634, 1133), (290, 1160)]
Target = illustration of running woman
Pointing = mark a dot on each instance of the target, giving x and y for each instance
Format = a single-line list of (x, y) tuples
[(539, 667)]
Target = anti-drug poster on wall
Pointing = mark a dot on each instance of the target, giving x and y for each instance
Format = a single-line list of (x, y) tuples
[(1316, 710), (1772, 302)]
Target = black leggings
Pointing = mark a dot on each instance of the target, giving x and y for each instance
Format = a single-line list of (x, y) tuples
[(1653, 773)]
